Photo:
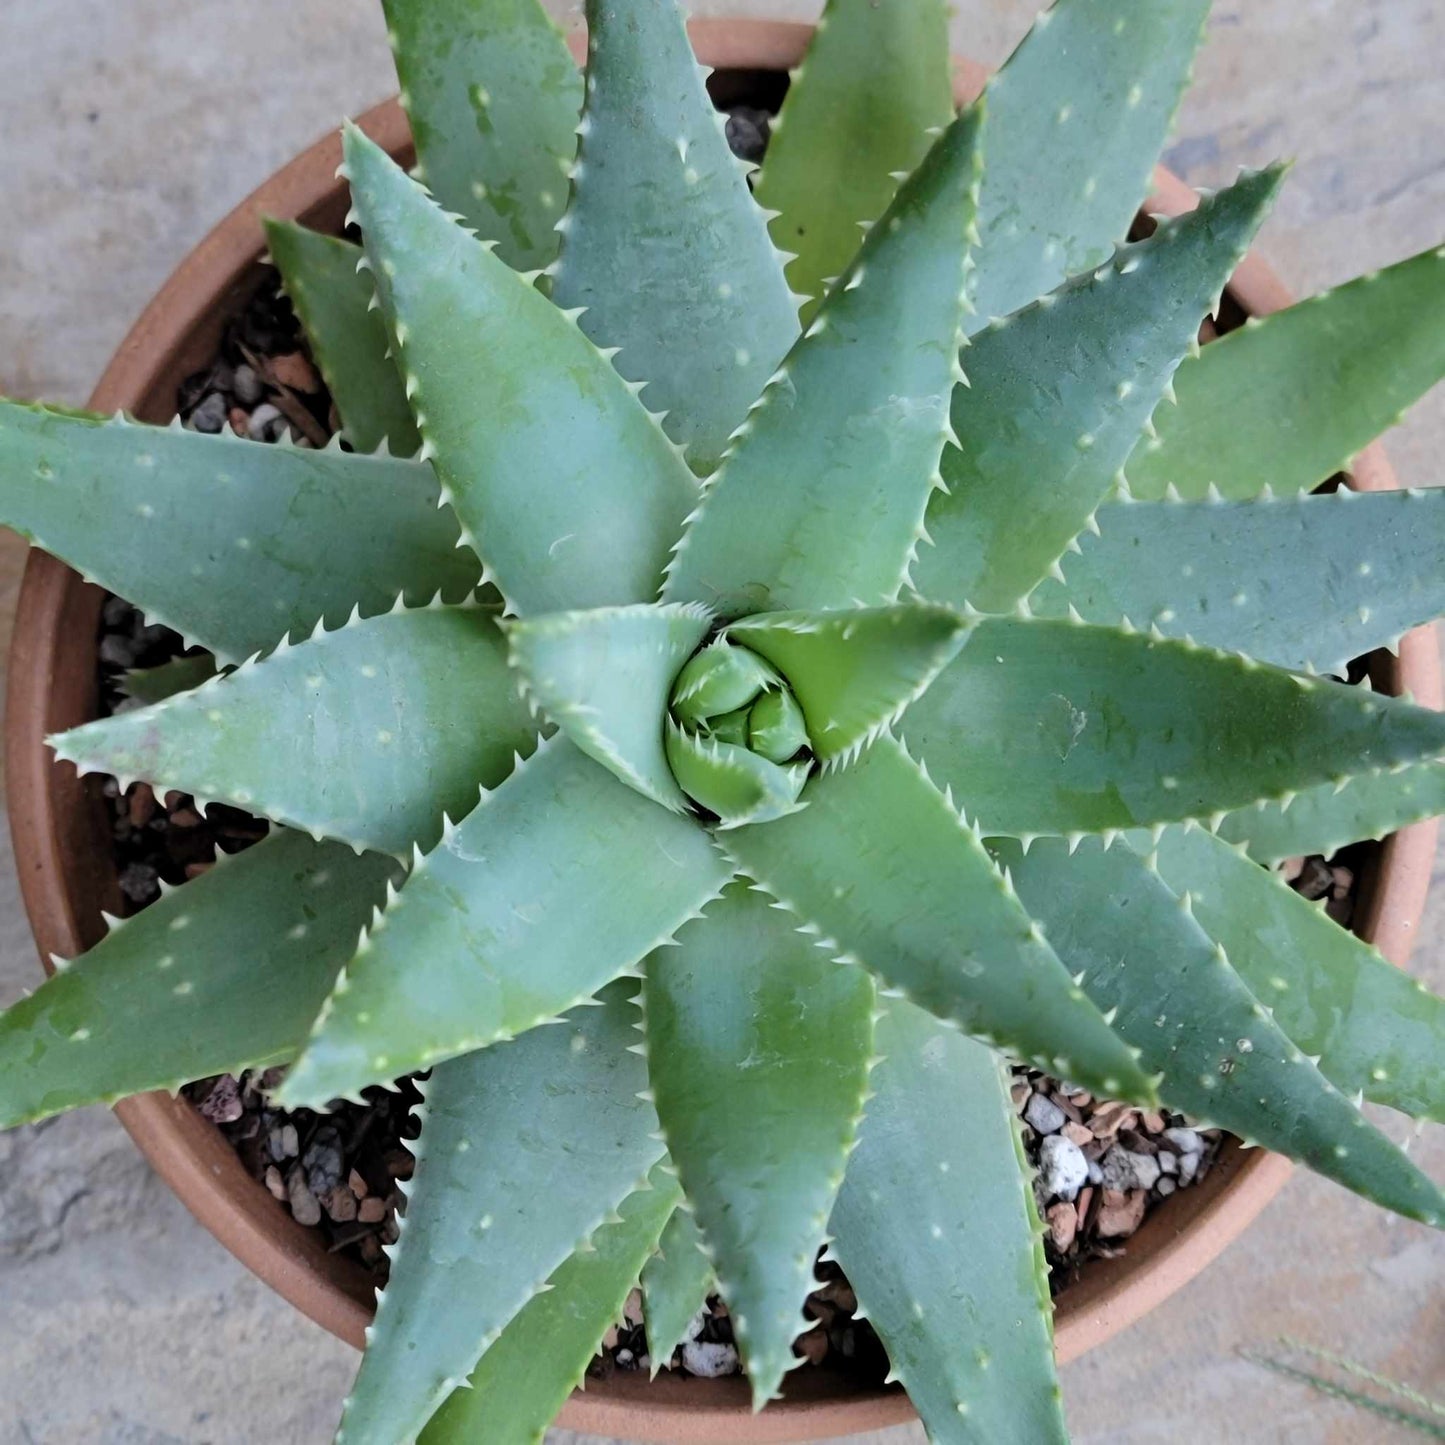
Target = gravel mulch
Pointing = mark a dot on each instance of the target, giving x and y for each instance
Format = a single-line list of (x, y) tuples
[(1101, 1166)]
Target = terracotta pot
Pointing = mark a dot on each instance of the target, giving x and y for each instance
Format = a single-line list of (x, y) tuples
[(67, 873)]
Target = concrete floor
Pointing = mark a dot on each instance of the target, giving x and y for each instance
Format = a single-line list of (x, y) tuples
[(130, 126)]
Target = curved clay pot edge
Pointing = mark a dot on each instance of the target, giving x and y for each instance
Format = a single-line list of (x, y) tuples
[(202, 1170)]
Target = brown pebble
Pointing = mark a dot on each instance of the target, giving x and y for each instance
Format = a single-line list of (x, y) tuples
[(185, 818), (1019, 1091), (1078, 1134), (357, 1185), (398, 1163), (1344, 882), (1082, 1203), (632, 1307), (371, 1210), (292, 369), (305, 1207), (194, 870), (813, 1346), (1082, 1097), (370, 1251), (240, 420), (390, 1230), (1121, 1214), (719, 1309), (1063, 1225), (839, 1292), (340, 1204), (1315, 879), (141, 805), (274, 1182), (1291, 869), (1109, 1118), (609, 1338), (1153, 1121), (223, 1104), (1071, 1109)]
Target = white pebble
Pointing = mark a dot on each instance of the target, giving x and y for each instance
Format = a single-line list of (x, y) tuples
[(1185, 1141), (1063, 1167), (710, 1360)]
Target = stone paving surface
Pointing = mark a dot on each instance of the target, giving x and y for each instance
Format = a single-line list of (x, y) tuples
[(130, 126)]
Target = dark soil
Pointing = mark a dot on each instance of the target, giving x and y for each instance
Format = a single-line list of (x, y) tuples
[(338, 1172)]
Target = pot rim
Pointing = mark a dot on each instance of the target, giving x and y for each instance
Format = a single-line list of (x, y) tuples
[(65, 881)]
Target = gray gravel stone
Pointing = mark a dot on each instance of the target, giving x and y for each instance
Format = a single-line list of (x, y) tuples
[(1062, 1166), (1042, 1114)]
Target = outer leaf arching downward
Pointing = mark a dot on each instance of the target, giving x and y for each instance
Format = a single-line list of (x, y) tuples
[(492, 95), (347, 335), (526, 908), (266, 539), (1076, 119), (854, 671), (369, 734), (525, 1151), (1059, 727), (524, 1378), (662, 244), (937, 1230), (1222, 1057), (1304, 582), (1289, 399), (1059, 394), (820, 501), (1374, 1028), (604, 675), (222, 975), (676, 1282), (880, 863), (874, 83), (744, 997), (565, 487)]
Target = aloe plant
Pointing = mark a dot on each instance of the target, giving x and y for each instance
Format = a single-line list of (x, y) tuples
[(806, 684)]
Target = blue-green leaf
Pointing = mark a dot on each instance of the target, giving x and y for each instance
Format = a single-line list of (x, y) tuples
[(569, 492), (492, 94), (662, 244), (820, 501), (525, 908), (758, 1051), (525, 1151), (263, 540), (937, 1230)]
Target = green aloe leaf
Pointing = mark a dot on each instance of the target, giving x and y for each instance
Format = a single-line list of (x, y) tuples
[(1289, 399), (527, 907), (881, 864), (1060, 727), (1326, 817), (744, 997), (222, 975), (739, 785), (568, 490), (875, 82), (854, 672), (1304, 582), (1059, 394), (662, 244), (155, 684), (604, 678), (267, 538), (841, 452), (525, 1151), (524, 1379), (369, 734), (1076, 119), (676, 1282), (335, 305), (938, 1233), (1374, 1029), (334, 301), (1222, 1058), (492, 94)]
